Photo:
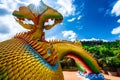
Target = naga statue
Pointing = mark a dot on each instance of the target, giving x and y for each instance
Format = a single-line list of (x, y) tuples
[(39, 14), (28, 56)]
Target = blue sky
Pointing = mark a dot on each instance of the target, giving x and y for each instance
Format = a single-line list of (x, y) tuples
[(83, 19)]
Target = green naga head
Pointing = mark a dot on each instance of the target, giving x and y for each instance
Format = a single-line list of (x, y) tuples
[(41, 15)]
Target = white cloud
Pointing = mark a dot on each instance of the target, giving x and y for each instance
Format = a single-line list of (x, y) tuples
[(118, 20), (94, 39), (50, 22), (79, 17), (70, 35), (12, 25), (70, 20), (14, 4), (104, 40), (116, 8), (116, 30), (51, 38), (116, 11), (8, 20), (66, 7)]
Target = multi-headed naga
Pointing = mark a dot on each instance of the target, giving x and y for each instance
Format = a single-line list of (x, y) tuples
[(28, 56)]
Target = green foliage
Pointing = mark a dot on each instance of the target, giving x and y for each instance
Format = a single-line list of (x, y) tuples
[(106, 53), (68, 63), (100, 49)]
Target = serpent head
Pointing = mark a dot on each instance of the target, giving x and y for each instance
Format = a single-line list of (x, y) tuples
[(50, 18), (42, 16)]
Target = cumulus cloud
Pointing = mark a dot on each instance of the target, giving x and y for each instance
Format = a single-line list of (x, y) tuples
[(66, 7), (9, 5), (69, 34), (71, 20), (116, 30), (116, 8), (9, 27), (94, 39), (116, 11), (118, 20)]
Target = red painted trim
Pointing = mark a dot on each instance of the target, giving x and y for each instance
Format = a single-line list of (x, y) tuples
[(81, 62)]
